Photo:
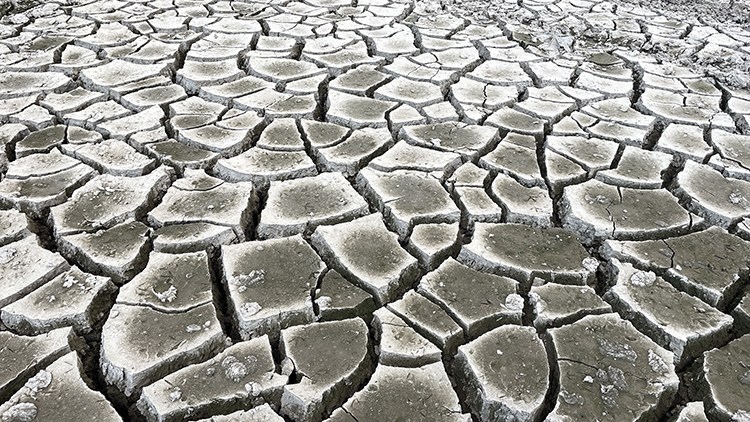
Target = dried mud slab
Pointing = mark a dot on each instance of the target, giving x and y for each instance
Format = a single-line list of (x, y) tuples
[(556, 305), (332, 359), (241, 376), (23, 357), (72, 299), (337, 299), (13, 227), (407, 198), (262, 413), (26, 266), (21, 84), (395, 393), (200, 198), (367, 254), (357, 112), (497, 386), (170, 283), (108, 200), (119, 252), (355, 152), (432, 243), (721, 201), (40, 141), (270, 284), (428, 319), (693, 412), (36, 182), (526, 253), (262, 166), (48, 395), (477, 300), (467, 140), (681, 261), (608, 369), (727, 379), (400, 344), (114, 157), (140, 345), (300, 205), (596, 211), (677, 321), (523, 205)]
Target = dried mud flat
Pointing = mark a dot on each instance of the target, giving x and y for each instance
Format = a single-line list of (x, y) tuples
[(377, 210)]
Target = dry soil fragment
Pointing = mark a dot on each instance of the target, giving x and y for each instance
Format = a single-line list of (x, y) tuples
[(523, 204), (39, 181), (721, 201), (728, 380), (108, 200), (114, 157), (141, 345), (433, 243), (300, 205), (357, 112), (241, 376), (22, 84), (429, 320), (684, 141), (477, 300), (693, 412), (13, 227), (25, 266), (192, 237), (332, 358), (181, 156), (467, 140), (73, 298), (608, 368), (262, 166), (592, 154), (40, 141), (170, 283), (270, 283), (24, 356), (338, 299), (262, 413), (400, 393), (685, 262), (58, 393), (637, 168), (556, 305), (677, 321), (515, 156), (505, 373), (366, 253), (200, 198), (118, 252), (118, 73), (526, 253), (407, 198), (353, 154), (594, 210), (194, 75), (400, 345), (404, 156)]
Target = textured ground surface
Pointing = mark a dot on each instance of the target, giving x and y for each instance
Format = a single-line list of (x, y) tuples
[(375, 211)]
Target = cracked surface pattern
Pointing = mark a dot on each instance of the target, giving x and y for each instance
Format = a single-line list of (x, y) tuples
[(374, 210)]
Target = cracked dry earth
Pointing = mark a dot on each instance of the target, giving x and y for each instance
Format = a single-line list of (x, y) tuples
[(373, 210)]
